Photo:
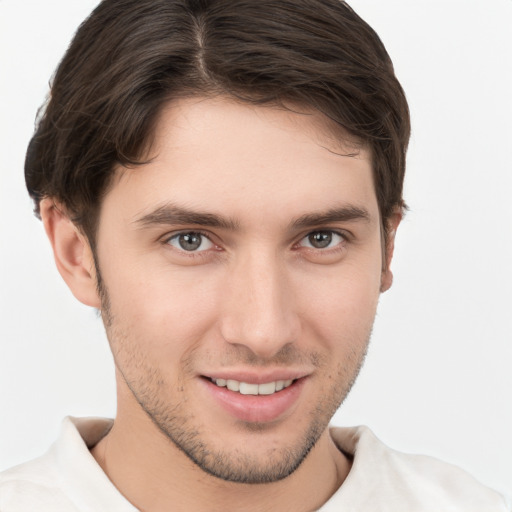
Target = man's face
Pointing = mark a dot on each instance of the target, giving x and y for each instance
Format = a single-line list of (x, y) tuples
[(244, 258)]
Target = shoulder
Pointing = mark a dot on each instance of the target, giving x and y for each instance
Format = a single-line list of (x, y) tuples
[(65, 478), (417, 482), (34, 485)]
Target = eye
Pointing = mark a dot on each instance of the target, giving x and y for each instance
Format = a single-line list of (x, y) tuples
[(190, 241), (322, 240)]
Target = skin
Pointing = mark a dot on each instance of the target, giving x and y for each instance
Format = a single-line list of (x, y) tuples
[(257, 298)]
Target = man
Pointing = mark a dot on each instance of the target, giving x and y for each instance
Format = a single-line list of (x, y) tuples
[(223, 181)]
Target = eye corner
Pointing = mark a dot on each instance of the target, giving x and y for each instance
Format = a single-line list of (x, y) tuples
[(189, 241), (322, 239)]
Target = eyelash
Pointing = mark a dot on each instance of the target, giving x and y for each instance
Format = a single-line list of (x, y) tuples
[(345, 238), (332, 232), (191, 254)]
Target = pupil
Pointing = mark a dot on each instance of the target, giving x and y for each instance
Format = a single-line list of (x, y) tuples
[(190, 241), (320, 239)]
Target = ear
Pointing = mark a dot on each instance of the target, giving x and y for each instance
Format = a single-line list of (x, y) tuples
[(72, 253), (389, 248)]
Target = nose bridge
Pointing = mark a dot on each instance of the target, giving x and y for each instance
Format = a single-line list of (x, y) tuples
[(259, 310)]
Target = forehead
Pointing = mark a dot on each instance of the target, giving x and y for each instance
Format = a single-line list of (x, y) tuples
[(219, 155)]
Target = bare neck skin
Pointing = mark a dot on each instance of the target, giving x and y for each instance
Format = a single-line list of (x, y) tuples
[(154, 475)]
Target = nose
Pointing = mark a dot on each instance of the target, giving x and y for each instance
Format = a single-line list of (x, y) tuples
[(259, 308)]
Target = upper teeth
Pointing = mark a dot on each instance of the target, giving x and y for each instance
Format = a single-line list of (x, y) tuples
[(253, 389)]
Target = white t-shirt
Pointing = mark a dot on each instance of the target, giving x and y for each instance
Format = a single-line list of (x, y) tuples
[(68, 479)]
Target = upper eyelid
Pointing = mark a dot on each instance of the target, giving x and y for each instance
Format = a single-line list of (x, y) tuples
[(345, 239), (172, 234), (347, 235), (165, 240)]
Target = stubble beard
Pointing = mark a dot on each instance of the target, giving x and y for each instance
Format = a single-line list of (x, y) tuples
[(180, 427)]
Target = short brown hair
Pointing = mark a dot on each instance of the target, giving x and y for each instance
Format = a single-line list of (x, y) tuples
[(132, 56)]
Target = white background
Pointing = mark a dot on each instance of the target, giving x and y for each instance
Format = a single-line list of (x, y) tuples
[(438, 378)]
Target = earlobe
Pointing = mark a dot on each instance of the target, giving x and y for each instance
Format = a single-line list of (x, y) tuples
[(387, 274), (72, 253)]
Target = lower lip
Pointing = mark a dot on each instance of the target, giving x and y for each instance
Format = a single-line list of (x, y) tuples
[(256, 408)]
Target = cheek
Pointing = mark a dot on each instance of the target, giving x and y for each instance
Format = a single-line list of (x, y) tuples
[(342, 306), (166, 310)]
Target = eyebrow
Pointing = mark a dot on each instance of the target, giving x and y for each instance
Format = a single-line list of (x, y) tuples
[(176, 215), (169, 214), (343, 214)]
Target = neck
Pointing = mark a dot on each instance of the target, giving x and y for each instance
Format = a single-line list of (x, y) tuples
[(153, 474)]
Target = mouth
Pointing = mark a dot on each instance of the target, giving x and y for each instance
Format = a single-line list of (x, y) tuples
[(261, 402), (246, 388)]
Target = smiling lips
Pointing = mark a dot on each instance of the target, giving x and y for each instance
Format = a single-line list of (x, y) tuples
[(245, 388), (254, 402)]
